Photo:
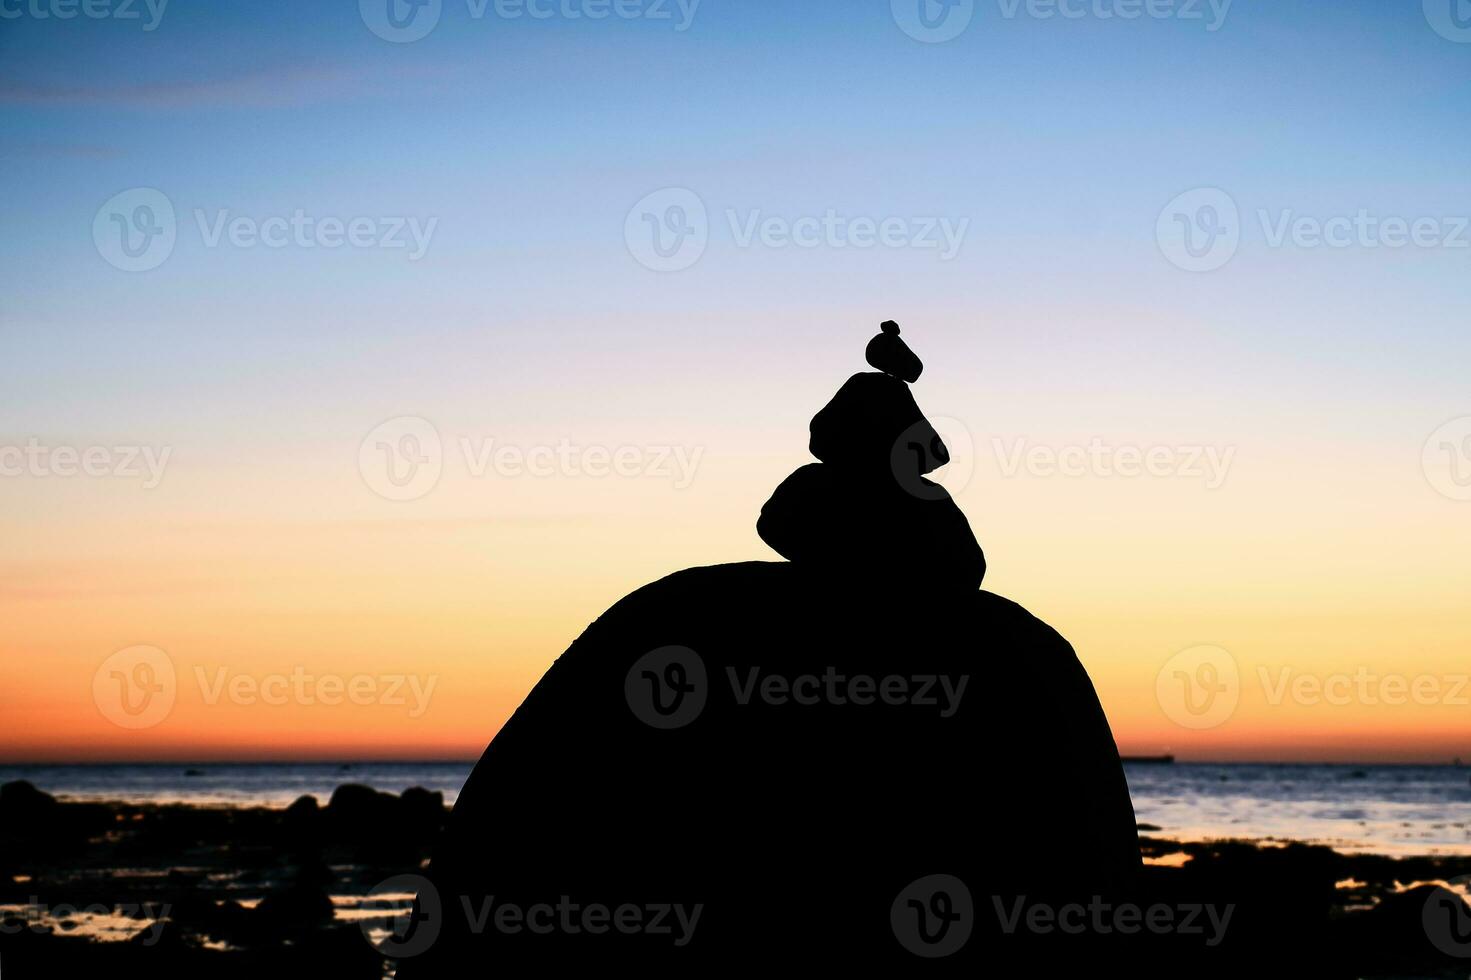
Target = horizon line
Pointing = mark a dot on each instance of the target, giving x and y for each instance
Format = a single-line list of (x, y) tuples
[(440, 760)]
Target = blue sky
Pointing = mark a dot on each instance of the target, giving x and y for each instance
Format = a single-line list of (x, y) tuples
[(527, 140)]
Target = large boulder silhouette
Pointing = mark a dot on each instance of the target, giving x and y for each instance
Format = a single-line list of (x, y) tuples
[(851, 758), (795, 826)]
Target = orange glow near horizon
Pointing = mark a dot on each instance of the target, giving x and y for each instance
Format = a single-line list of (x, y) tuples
[(472, 592)]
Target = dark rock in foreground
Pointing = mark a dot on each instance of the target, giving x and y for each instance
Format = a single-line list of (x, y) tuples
[(374, 824), (795, 826), (1296, 910)]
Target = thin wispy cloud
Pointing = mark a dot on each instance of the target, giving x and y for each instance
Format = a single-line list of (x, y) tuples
[(60, 151), (278, 88)]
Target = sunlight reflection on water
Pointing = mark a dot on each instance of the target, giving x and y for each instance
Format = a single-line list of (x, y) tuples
[(1395, 810)]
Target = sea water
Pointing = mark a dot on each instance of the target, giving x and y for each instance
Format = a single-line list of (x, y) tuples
[(1373, 809)]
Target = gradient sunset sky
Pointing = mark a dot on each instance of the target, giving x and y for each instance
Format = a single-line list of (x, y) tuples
[(1332, 381)]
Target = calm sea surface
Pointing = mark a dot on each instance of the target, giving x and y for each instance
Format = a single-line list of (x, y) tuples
[(236, 784), (1381, 809)]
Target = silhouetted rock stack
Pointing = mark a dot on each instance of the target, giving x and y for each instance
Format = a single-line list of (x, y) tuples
[(794, 747), (867, 507)]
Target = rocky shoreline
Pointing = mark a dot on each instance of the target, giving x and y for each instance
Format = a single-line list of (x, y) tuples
[(176, 890)]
